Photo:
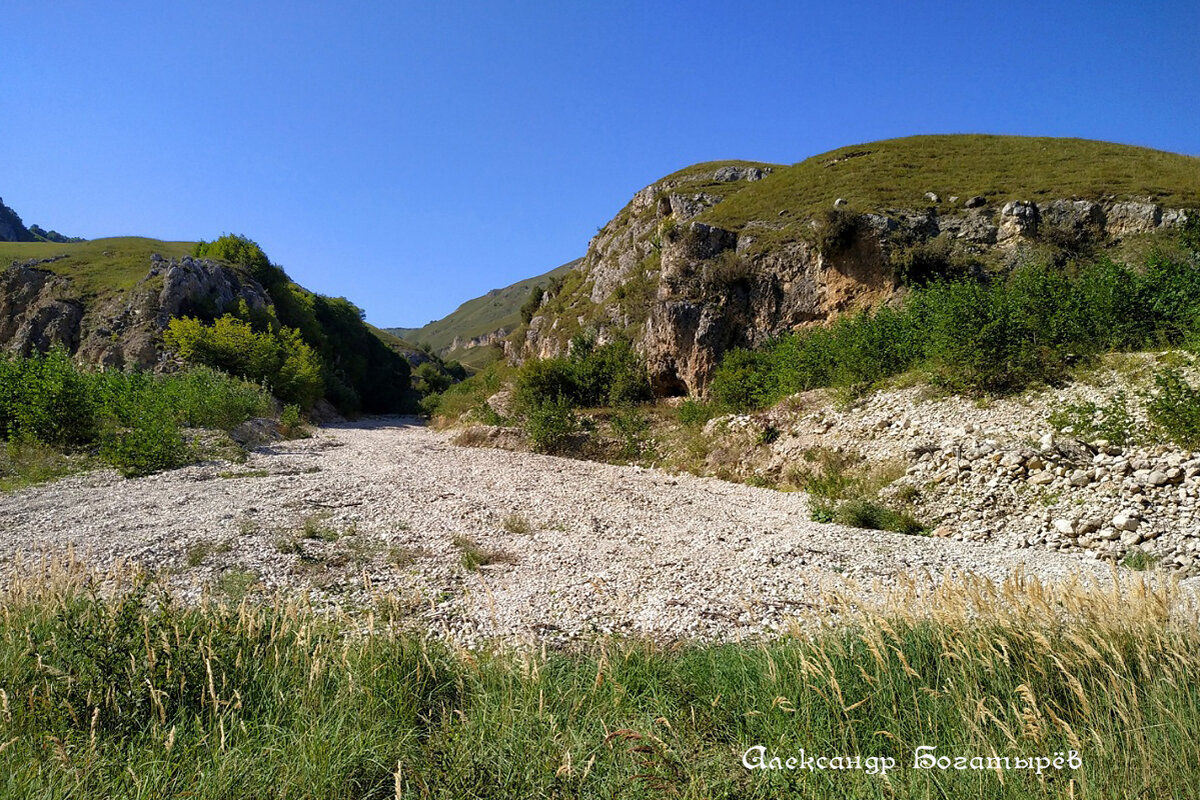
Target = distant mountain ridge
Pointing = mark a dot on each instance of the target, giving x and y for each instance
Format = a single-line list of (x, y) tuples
[(12, 229), (480, 322)]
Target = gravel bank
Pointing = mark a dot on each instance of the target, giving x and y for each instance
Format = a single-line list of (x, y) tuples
[(577, 548)]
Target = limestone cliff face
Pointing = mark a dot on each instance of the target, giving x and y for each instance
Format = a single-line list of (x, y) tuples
[(40, 310), (687, 291)]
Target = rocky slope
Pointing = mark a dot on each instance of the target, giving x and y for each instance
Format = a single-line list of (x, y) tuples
[(731, 254), (40, 309), (12, 229), (1005, 470), (108, 301)]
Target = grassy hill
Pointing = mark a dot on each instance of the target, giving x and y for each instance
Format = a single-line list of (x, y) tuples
[(99, 267), (362, 372), (499, 308), (896, 173)]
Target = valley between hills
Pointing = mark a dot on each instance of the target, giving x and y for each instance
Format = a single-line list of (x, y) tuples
[(895, 446)]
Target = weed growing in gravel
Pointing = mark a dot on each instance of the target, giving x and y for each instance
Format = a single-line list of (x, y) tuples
[(26, 462), (362, 550), (1113, 421), (254, 473), (289, 545), (1173, 407), (846, 490), (517, 523), (235, 584), (1139, 560), (861, 513), (198, 552), (473, 556), (316, 526), (402, 556)]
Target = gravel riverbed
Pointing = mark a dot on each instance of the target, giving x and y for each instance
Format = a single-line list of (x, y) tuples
[(576, 548)]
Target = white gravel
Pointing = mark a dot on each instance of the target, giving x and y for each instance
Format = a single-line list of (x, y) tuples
[(610, 549)]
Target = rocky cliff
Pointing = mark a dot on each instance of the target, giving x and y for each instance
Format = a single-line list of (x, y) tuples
[(688, 279), (40, 309)]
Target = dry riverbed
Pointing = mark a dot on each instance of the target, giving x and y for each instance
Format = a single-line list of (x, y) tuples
[(472, 543)]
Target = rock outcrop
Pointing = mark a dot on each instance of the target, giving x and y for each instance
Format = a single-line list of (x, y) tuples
[(40, 309), (687, 291)]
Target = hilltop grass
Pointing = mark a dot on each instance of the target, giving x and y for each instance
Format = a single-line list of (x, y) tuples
[(99, 267), (896, 173), (127, 693)]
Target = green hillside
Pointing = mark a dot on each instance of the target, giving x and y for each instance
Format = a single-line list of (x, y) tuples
[(896, 173), (99, 267), (499, 308), (360, 371)]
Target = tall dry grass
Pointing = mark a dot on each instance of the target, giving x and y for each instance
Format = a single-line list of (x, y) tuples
[(111, 688)]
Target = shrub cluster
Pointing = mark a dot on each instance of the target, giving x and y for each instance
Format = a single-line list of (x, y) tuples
[(132, 420), (359, 372), (280, 359), (975, 336), (549, 390)]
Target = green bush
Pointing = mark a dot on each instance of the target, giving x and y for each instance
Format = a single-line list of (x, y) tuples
[(999, 335), (551, 425), (592, 375), (151, 445), (922, 262), (836, 229), (694, 413), (356, 370), (46, 398), (133, 420), (1112, 421), (532, 304), (243, 252), (748, 379), (281, 359), (872, 515), (632, 429), (1174, 408)]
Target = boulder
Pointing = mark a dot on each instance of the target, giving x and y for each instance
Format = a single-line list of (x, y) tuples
[(256, 432)]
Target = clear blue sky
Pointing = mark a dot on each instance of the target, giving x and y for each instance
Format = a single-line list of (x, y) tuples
[(412, 155)]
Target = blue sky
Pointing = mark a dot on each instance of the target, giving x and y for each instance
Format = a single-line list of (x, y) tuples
[(411, 156)]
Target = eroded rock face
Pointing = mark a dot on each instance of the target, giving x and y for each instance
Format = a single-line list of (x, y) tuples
[(715, 289), (37, 310), (40, 310)]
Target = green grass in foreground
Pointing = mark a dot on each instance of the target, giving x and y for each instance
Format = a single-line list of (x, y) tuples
[(134, 696), (98, 267)]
